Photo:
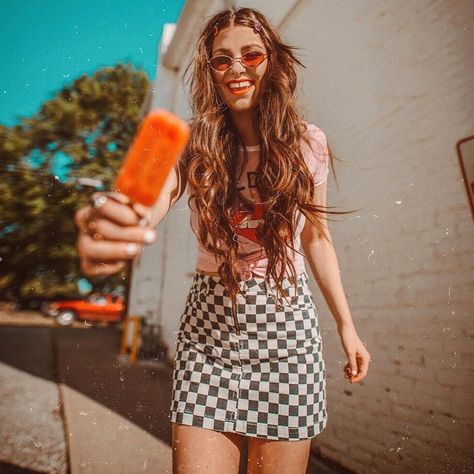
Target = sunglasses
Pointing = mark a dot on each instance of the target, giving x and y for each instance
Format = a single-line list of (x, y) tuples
[(249, 59)]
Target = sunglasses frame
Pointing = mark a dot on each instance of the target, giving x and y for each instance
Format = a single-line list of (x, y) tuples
[(236, 59)]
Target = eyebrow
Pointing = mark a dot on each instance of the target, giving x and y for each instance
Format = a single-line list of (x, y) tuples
[(225, 50)]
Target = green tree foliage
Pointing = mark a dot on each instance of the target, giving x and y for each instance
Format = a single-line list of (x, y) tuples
[(92, 122)]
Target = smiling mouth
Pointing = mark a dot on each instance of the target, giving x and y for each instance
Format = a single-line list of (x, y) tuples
[(239, 88)]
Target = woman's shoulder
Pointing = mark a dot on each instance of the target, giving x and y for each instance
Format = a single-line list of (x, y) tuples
[(311, 129), (314, 138), (315, 152)]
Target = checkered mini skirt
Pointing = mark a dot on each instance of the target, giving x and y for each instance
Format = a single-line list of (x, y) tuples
[(267, 380)]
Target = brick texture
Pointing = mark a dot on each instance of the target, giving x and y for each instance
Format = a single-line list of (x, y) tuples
[(391, 85)]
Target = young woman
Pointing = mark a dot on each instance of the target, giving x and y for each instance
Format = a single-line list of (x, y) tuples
[(249, 360)]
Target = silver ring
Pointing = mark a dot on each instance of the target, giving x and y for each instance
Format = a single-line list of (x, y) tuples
[(144, 221), (98, 201)]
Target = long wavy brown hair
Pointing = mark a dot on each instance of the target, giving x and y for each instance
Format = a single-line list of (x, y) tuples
[(283, 180)]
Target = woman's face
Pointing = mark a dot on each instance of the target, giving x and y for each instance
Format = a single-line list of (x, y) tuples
[(234, 41)]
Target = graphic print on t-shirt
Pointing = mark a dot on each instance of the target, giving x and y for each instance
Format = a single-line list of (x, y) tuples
[(245, 222)]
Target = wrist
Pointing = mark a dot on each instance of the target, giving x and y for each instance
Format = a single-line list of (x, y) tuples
[(344, 326)]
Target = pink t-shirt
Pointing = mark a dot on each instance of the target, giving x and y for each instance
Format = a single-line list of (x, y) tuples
[(252, 257)]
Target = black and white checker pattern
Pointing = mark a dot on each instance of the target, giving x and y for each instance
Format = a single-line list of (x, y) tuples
[(269, 381)]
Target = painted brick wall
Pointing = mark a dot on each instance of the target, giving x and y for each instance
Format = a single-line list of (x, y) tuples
[(391, 84)]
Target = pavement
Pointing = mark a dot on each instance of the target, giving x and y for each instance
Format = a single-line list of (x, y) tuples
[(69, 403), (31, 433)]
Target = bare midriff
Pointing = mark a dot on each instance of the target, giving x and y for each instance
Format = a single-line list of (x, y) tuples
[(207, 273)]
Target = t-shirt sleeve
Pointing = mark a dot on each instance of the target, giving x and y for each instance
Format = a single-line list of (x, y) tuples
[(316, 154)]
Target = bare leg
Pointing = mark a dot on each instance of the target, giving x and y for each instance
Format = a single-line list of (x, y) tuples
[(284, 457), (197, 450)]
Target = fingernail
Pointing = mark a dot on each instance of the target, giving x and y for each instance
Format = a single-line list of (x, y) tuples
[(149, 236), (354, 372), (131, 249)]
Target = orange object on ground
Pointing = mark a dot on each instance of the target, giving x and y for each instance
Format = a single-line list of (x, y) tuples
[(158, 144)]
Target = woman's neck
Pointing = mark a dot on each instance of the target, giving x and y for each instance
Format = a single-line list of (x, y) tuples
[(243, 122)]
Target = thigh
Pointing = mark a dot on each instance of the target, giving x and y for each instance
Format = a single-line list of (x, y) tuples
[(197, 450), (284, 457)]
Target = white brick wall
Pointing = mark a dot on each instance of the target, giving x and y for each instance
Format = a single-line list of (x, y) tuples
[(391, 84)]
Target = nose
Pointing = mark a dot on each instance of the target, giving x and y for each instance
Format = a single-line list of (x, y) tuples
[(237, 65)]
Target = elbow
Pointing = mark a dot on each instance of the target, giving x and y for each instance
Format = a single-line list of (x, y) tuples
[(317, 242)]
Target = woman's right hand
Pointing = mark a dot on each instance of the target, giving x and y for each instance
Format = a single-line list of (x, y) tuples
[(111, 233)]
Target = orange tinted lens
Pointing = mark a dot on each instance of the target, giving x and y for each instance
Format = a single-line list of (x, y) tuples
[(221, 63), (252, 58)]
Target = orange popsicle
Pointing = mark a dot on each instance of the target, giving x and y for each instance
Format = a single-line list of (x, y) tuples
[(159, 142)]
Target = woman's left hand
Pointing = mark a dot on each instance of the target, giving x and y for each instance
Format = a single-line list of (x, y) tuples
[(356, 369)]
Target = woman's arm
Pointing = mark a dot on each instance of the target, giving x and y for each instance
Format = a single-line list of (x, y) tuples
[(325, 268), (324, 264), (173, 189)]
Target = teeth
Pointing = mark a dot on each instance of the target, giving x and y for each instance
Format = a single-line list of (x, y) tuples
[(236, 85), (252, 224)]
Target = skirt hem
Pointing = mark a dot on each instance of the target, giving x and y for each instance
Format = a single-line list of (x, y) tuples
[(248, 428)]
